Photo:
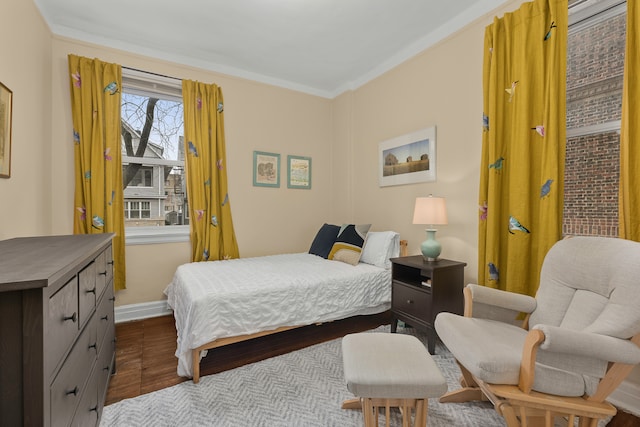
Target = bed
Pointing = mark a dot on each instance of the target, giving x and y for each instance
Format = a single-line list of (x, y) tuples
[(217, 303)]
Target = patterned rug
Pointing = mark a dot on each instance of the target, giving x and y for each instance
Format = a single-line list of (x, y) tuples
[(304, 388)]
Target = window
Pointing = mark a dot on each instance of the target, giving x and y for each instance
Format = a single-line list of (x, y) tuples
[(153, 158), (137, 210), (142, 178), (595, 66)]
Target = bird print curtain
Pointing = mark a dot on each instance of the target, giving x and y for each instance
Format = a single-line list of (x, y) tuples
[(629, 199), (95, 108), (523, 144), (212, 234)]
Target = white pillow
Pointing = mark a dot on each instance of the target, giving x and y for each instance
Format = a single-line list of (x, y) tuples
[(379, 246)]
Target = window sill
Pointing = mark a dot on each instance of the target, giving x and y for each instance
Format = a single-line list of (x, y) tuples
[(154, 235)]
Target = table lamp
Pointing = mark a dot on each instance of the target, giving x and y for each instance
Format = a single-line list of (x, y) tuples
[(432, 211)]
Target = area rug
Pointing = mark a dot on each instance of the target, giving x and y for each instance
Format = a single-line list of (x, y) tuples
[(304, 388)]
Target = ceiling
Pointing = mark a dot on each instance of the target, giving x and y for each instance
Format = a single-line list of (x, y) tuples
[(321, 47)]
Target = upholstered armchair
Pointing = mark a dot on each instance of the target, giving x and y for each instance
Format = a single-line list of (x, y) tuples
[(579, 339)]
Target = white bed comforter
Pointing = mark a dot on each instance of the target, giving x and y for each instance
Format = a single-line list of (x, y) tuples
[(218, 299)]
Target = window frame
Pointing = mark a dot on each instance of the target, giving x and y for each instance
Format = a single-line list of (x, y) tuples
[(149, 84)]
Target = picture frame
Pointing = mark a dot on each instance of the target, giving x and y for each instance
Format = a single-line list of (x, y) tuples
[(6, 110), (266, 169), (299, 172), (408, 159)]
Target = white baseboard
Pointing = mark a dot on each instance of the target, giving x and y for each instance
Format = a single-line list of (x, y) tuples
[(625, 397), (145, 310)]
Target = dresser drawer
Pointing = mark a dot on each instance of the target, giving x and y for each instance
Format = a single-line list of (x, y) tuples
[(104, 271), (104, 314), (412, 301), (105, 364), (87, 412), (87, 292), (62, 323), (67, 389), (109, 254)]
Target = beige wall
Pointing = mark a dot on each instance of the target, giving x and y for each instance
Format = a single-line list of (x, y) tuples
[(25, 198)]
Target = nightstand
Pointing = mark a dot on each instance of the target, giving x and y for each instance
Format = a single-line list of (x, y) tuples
[(421, 289)]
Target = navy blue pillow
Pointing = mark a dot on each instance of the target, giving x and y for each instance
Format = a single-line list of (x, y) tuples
[(324, 240)]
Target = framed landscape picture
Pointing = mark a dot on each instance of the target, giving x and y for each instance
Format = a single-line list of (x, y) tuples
[(266, 169), (298, 172), (408, 159), (6, 104)]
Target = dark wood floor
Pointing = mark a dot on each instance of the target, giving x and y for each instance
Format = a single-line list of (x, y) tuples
[(145, 354)]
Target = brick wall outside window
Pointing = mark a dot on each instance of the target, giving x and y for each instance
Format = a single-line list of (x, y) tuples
[(595, 65)]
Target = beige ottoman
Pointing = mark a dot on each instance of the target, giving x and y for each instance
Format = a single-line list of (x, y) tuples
[(390, 370)]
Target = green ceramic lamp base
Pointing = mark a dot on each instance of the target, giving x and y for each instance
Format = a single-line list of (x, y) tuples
[(431, 248)]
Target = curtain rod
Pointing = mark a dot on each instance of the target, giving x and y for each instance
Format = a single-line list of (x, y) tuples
[(152, 73)]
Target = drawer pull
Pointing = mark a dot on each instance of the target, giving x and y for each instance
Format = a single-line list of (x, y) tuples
[(409, 301), (91, 291), (110, 263), (103, 273), (94, 346), (73, 317), (74, 391), (94, 409), (105, 317), (112, 299)]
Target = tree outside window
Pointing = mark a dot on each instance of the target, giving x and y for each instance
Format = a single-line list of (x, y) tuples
[(152, 159)]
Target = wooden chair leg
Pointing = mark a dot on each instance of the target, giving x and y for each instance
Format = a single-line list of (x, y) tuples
[(467, 377), (470, 389), (509, 414)]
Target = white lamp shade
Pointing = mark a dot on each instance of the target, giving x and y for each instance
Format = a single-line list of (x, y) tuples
[(430, 210)]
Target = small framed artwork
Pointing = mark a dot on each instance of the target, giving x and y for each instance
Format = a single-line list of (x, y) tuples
[(6, 104), (298, 172), (266, 169), (408, 159)]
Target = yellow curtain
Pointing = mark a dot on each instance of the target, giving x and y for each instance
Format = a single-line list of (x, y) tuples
[(212, 234), (629, 198), (95, 104), (524, 131)]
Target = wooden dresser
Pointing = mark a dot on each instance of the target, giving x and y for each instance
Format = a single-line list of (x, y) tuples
[(57, 334)]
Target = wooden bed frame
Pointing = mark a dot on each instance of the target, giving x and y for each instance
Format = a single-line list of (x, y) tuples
[(195, 353)]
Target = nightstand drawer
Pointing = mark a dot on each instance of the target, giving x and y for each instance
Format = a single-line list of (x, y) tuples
[(412, 301)]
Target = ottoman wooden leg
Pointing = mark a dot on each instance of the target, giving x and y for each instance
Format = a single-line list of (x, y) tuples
[(370, 413), (422, 410), (352, 403)]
